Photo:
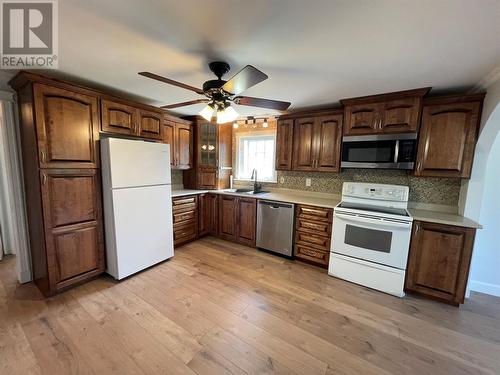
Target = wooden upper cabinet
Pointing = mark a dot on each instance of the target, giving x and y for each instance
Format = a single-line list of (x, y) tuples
[(328, 143), (72, 225), (118, 118), (317, 143), (126, 119), (401, 115), (150, 124), (362, 118), (168, 135), (396, 112), (304, 144), (246, 220), (184, 146), (439, 261), (448, 136), (284, 144), (66, 128)]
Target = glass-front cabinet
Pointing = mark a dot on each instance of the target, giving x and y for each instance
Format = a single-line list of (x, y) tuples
[(208, 145)]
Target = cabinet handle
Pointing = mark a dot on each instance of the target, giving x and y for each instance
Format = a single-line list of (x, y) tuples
[(44, 179), (42, 156)]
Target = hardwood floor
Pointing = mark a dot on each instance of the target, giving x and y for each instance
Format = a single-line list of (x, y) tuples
[(222, 308)]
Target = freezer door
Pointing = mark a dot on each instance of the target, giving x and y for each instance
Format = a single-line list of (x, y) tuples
[(131, 163), (142, 229)]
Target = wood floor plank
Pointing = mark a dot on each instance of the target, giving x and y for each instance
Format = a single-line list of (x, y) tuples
[(209, 362)]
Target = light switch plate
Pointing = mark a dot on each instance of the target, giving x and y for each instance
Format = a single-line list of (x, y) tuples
[(282, 180), (308, 182)]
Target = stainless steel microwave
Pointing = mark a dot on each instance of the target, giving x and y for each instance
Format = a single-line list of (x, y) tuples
[(385, 151)]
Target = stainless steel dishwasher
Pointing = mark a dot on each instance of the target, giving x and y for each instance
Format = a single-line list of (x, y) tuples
[(275, 226)]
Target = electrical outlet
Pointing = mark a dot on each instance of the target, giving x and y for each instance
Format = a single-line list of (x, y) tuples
[(282, 180), (308, 182)]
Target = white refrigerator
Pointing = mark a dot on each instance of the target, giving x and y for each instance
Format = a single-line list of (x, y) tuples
[(137, 204)]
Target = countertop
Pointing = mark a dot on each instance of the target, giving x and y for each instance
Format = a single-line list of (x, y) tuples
[(443, 218), (299, 197), (331, 200)]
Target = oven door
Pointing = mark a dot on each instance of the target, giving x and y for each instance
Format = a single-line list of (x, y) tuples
[(380, 240)]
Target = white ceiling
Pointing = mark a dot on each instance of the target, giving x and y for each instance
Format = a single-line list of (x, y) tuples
[(315, 52)]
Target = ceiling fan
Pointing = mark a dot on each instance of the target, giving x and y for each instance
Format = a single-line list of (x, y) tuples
[(220, 93)]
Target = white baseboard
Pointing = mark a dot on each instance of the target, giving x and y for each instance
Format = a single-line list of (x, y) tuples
[(486, 288)]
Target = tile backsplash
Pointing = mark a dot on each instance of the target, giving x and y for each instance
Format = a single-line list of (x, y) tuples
[(443, 191), (176, 177)]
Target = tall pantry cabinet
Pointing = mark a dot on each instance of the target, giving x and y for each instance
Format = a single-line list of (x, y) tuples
[(60, 154)]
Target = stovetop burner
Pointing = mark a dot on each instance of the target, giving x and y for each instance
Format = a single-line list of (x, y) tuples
[(375, 209)]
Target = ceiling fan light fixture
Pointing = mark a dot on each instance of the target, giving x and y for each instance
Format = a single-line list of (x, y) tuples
[(226, 115), (207, 112)]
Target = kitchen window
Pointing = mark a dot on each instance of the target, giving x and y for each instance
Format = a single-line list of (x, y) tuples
[(256, 151)]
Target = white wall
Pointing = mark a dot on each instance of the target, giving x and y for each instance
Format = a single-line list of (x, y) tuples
[(480, 200)]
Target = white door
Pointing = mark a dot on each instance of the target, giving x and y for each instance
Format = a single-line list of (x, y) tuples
[(142, 228), (381, 241), (137, 163)]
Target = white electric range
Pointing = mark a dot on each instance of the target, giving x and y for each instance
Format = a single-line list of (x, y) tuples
[(371, 236)]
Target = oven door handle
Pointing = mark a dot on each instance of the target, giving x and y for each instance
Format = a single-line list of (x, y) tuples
[(360, 219)]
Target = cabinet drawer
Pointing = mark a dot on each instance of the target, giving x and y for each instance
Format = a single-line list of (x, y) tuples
[(307, 239), (312, 254), (318, 228), (183, 204), (182, 217), (315, 213), (184, 233)]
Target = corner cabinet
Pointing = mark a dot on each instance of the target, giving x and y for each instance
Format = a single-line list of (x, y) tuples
[(212, 148), (439, 261), (448, 136), (59, 141), (179, 135), (310, 142), (397, 112)]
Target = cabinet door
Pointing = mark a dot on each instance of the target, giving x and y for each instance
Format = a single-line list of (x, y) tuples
[(207, 208), (203, 214), (447, 141), (118, 118), (227, 217), (362, 118), (168, 136), (206, 178), (284, 144), (207, 144), (150, 124), (184, 143), (66, 127), (304, 144), (439, 260), (328, 142), (402, 115), (73, 225), (246, 221)]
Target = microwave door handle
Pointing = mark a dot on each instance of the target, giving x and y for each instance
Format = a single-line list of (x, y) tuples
[(359, 219), (396, 151)]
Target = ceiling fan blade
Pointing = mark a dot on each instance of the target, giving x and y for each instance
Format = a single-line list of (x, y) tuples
[(263, 103), (197, 101), (244, 79), (171, 82)]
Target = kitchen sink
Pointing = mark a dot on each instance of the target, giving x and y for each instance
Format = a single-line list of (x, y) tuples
[(245, 191)]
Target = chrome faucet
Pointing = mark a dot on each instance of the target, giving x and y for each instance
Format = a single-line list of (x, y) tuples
[(256, 187)]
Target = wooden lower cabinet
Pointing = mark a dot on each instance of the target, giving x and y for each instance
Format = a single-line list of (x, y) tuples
[(313, 231), (185, 219), (237, 219), (207, 214), (73, 231), (246, 221), (439, 260)]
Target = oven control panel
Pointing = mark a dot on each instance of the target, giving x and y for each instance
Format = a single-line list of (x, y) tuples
[(383, 192)]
